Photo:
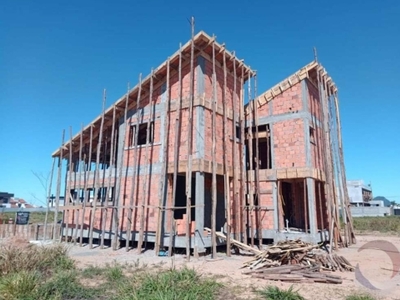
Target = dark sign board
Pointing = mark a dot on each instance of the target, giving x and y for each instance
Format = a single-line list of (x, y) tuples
[(22, 218)]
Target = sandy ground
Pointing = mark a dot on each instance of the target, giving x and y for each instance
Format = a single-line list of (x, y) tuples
[(374, 264)]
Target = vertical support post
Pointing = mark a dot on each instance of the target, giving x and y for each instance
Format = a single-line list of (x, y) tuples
[(161, 195), (117, 205), (352, 237), (328, 166), (235, 154), (79, 184), (250, 207), (176, 149), (58, 186), (96, 174), (243, 207), (189, 147), (135, 164), (214, 162), (146, 159), (69, 183), (86, 176), (258, 207), (48, 199), (225, 162)]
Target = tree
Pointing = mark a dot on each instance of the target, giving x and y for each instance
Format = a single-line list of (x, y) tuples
[(46, 183)]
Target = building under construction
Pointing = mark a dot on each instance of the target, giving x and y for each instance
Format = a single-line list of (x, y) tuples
[(193, 147)]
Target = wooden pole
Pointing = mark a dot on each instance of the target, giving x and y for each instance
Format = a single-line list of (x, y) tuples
[(243, 209), (110, 168), (117, 204), (69, 183), (189, 147), (225, 162), (79, 185), (135, 163), (258, 212), (343, 173), (145, 194), (235, 154), (159, 233), (58, 189), (96, 173), (214, 162), (87, 170), (176, 150), (251, 159), (48, 198), (328, 170)]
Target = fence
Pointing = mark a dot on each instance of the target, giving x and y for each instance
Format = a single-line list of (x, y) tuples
[(29, 232)]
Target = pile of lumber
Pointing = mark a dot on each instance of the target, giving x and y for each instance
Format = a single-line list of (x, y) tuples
[(295, 260), (295, 273)]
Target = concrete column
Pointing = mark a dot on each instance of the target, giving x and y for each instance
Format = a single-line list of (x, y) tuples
[(312, 214), (275, 201), (199, 212)]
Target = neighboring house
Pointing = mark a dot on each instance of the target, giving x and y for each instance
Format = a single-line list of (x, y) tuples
[(386, 202), (359, 193), (5, 198), (182, 144)]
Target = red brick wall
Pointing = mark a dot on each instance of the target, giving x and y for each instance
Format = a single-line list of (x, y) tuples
[(289, 147), (289, 101)]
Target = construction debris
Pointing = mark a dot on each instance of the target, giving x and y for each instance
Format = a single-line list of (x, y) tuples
[(294, 261)]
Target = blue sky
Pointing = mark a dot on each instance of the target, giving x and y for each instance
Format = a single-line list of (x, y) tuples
[(56, 57)]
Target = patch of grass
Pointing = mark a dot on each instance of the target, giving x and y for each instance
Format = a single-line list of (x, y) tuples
[(92, 272), (381, 224), (360, 297), (22, 285), (168, 285), (114, 273), (275, 293), (33, 258), (65, 285)]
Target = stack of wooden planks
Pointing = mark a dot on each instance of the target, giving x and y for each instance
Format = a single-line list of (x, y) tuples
[(295, 260)]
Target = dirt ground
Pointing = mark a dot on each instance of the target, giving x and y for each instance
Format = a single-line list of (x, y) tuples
[(374, 264)]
